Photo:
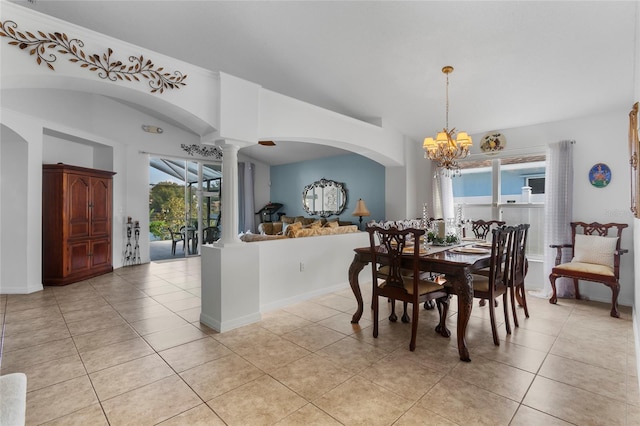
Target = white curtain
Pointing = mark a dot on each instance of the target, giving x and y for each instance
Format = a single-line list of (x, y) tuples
[(443, 197), (246, 208), (558, 190)]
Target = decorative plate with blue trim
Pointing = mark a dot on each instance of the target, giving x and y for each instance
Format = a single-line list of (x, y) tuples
[(600, 175)]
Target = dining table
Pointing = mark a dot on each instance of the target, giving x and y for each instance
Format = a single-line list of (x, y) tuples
[(455, 262)]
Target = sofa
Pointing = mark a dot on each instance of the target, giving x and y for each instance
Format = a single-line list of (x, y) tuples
[(300, 226)]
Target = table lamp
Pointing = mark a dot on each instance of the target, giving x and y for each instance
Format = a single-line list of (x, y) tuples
[(361, 211)]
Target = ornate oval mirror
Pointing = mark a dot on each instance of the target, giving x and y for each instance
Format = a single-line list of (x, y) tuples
[(324, 198)]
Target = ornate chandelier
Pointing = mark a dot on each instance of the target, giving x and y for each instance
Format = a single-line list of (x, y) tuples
[(444, 150)]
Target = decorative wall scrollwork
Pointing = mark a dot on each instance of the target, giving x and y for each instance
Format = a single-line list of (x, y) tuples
[(633, 161), (45, 46), (202, 150)]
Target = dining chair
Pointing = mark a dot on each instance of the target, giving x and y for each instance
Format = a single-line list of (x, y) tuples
[(176, 237), (481, 229), (394, 256), (210, 234), (496, 283), (518, 271), (595, 257)]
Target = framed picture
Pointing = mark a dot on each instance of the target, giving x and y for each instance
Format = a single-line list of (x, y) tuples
[(633, 162), (600, 175)]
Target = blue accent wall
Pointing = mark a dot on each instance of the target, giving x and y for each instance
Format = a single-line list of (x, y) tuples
[(362, 178)]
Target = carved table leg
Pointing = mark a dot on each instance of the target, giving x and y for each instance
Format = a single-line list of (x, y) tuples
[(463, 288), (554, 297), (443, 309), (354, 269)]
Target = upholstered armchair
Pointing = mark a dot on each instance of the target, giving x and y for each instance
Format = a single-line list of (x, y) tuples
[(595, 256)]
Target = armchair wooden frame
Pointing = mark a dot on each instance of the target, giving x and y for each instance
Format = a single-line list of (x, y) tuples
[(396, 276), (612, 281)]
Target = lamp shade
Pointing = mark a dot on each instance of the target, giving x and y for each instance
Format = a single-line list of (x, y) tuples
[(361, 209)]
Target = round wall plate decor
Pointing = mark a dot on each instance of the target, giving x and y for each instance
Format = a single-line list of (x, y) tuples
[(493, 142), (600, 175)]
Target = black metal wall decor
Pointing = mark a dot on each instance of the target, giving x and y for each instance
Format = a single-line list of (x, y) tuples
[(44, 45), (203, 150)]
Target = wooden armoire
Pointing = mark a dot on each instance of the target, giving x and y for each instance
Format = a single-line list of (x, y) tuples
[(76, 223)]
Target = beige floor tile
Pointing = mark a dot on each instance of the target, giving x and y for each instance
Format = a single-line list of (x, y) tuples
[(30, 325), (281, 322), (342, 303), (59, 400), (311, 376), (633, 391), (89, 312), (151, 404), (633, 415), (22, 358), (309, 415), (132, 314), (247, 337), (433, 354), (35, 337), (159, 323), (219, 376), (173, 296), (585, 352), (531, 339), (311, 311), (166, 339), (114, 354), (96, 323), (351, 354), (182, 304), (130, 375), (160, 289), (480, 406), (526, 416), (82, 306), (313, 337), (52, 372), (201, 415), (574, 405), (261, 401), (342, 323), (514, 355), (420, 416), (52, 311), (588, 377), (195, 353), (402, 377), (108, 336), (274, 354), (190, 315), (91, 415), (361, 402), (495, 377)]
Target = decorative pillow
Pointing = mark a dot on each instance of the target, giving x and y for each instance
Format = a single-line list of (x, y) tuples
[(287, 219), (316, 224), (291, 228), (332, 224), (594, 249)]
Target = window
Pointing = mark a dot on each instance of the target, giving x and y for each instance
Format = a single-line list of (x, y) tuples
[(494, 189)]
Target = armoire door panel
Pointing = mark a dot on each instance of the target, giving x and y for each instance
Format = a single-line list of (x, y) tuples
[(100, 253), (78, 205)]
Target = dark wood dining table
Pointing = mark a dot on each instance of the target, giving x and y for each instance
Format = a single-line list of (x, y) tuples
[(457, 267)]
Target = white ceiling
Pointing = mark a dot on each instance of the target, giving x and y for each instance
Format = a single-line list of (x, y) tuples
[(517, 63)]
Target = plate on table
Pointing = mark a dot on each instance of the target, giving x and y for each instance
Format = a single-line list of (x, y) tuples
[(409, 250), (470, 250), (485, 244)]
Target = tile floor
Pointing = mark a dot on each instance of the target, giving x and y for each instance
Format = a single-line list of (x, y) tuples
[(127, 348)]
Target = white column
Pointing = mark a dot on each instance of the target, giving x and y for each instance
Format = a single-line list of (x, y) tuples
[(229, 202)]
